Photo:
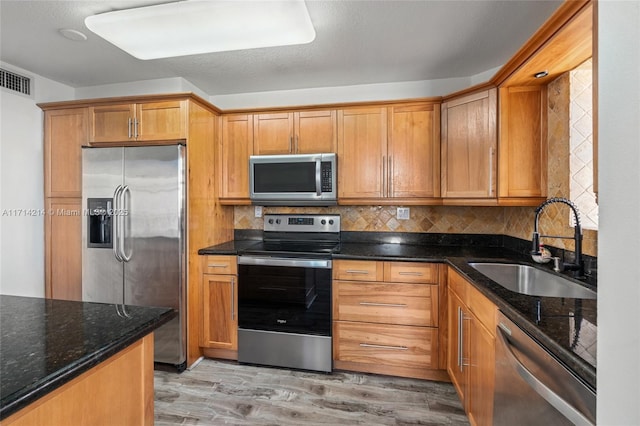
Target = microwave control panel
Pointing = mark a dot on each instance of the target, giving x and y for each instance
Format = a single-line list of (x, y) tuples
[(325, 170)]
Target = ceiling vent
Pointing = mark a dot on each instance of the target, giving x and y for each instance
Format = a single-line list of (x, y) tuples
[(16, 82)]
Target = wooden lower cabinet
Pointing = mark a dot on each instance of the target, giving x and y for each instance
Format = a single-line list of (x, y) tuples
[(386, 317), (471, 348), (63, 248), (118, 391), (219, 329)]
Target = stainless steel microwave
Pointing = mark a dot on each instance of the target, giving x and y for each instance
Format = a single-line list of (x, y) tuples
[(293, 180)]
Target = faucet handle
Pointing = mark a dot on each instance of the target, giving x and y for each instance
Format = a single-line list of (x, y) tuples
[(557, 265)]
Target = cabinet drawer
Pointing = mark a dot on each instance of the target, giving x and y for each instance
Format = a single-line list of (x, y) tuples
[(391, 345), (386, 303), (357, 270), (411, 272), (220, 265)]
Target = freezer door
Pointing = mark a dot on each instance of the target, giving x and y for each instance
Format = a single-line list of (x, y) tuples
[(102, 274), (153, 242)]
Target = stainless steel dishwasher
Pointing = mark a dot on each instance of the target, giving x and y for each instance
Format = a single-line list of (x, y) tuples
[(532, 387)]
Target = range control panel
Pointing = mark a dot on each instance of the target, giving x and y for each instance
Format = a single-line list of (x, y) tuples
[(302, 223)]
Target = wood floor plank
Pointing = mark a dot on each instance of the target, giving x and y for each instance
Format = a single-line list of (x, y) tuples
[(225, 393)]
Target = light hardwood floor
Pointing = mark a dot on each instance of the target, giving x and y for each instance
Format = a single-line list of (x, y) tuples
[(220, 392)]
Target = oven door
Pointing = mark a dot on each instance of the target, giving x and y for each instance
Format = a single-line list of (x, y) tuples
[(287, 295)]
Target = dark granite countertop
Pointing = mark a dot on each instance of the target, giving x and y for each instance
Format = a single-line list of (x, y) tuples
[(566, 327), (44, 343)]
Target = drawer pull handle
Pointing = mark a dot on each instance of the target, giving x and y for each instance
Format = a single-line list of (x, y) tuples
[(218, 265), (415, 274), (397, 348), (356, 271), (389, 305)]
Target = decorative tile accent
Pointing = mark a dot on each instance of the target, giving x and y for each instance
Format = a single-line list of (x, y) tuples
[(581, 143)]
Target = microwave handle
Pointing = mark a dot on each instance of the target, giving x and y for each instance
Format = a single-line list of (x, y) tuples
[(318, 177)]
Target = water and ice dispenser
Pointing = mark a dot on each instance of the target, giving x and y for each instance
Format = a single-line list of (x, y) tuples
[(100, 219)]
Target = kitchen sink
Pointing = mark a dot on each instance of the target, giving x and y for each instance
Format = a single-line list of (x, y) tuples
[(532, 281)]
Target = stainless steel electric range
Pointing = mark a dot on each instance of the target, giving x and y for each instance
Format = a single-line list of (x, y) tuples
[(284, 293)]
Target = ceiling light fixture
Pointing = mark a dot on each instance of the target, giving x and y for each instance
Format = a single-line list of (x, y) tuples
[(194, 27), (541, 74)]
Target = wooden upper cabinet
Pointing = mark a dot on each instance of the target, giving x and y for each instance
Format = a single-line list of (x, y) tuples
[(148, 121), (523, 145), (469, 139), (161, 120), (362, 153), (315, 131), (389, 154), (236, 148), (273, 133), (65, 131), (414, 151), (303, 132)]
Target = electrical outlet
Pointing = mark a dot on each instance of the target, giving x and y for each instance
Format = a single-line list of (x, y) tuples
[(258, 211), (402, 213)]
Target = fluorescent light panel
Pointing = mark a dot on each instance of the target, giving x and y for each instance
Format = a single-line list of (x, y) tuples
[(195, 27)]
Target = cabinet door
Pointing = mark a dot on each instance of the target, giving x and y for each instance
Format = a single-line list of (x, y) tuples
[(481, 374), (469, 146), (523, 142), (273, 133), (161, 121), (456, 352), (219, 312), (111, 123), (362, 153), (414, 151), (236, 147), (65, 131), (315, 131), (63, 251)]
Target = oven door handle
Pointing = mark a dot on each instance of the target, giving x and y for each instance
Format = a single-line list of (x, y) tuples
[(277, 261)]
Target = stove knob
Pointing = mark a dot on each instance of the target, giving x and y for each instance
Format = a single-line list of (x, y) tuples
[(324, 222), (330, 221), (278, 221), (270, 221)]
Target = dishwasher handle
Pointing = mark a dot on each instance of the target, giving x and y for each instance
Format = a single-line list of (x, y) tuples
[(567, 410)]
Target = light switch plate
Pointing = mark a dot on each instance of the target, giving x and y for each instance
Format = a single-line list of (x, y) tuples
[(258, 211), (402, 213)]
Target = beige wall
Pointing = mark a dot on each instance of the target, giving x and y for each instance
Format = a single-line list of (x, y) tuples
[(513, 221)]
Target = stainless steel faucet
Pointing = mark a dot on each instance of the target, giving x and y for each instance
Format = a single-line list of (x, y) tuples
[(578, 265)]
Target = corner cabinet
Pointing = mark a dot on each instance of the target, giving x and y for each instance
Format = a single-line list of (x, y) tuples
[(469, 144), (471, 348), (380, 149), (219, 303), (386, 318), (144, 121), (523, 145)]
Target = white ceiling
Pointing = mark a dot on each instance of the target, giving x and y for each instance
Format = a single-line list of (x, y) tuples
[(357, 42)]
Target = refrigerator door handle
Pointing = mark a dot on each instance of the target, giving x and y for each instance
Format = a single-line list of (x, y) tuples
[(116, 225), (124, 211)]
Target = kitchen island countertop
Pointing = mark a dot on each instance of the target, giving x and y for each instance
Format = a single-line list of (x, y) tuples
[(45, 343)]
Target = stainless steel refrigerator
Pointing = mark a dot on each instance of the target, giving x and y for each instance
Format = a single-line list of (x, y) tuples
[(133, 235)]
